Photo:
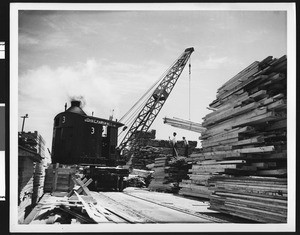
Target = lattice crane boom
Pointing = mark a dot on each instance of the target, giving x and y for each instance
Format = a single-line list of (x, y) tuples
[(156, 101)]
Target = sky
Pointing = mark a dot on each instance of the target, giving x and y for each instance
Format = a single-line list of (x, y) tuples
[(110, 58)]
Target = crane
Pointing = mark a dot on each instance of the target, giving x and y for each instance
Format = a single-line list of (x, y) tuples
[(155, 102)]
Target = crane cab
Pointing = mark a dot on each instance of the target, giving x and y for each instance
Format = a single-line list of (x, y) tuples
[(82, 139)]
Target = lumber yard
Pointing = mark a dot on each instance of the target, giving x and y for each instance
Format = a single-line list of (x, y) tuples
[(237, 175)]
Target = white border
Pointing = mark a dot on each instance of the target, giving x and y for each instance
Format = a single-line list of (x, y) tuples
[(2, 176), (2, 171), (291, 54)]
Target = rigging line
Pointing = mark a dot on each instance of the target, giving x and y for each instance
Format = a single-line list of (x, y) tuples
[(190, 89), (135, 105), (137, 109), (148, 91), (132, 117)]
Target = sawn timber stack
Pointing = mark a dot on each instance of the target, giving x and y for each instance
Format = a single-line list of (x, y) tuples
[(246, 133)]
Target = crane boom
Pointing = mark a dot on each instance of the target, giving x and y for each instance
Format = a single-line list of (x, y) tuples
[(156, 101)]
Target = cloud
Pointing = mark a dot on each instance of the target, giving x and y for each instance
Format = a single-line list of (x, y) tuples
[(103, 85), (212, 62), (27, 40), (251, 36)]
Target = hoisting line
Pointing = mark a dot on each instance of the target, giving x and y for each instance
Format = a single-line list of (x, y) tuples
[(190, 88)]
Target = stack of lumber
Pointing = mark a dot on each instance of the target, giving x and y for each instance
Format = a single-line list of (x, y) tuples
[(168, 174), (146, 155), (58, 179), (249, 122), (33, 141), (246, 132), (38, 181), (261, 199), (151, 149), (197, 185)]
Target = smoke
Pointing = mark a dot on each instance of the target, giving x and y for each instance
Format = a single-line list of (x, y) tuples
[(79, 98)]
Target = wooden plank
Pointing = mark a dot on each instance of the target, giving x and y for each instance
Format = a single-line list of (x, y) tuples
[(199, 177), (208, 170), (279, 202), (262, 190), (54, 184), (243, 213), (255, 97), (213, 162), (215, 166), (227, 134), (278, 209), (219, 110), (269, 116), (236, 152), (236, 121), (231, 99), (230, 113), (99, 218), (260, 165), (36, 210), (193, 194), (237, 84), (252, 66), (241, 86), (278, 172), (255, 211), (253, 140), (229, 141), (276, 125), (82, 186), (279, 104)]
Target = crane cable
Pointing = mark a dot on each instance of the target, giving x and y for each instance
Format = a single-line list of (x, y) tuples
[(190, 88), (129, 120)]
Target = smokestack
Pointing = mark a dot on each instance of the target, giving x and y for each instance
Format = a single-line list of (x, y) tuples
[(75, 103), (75, 107)]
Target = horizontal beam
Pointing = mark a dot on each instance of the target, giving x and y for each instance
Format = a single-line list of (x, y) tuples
[(184, 124)]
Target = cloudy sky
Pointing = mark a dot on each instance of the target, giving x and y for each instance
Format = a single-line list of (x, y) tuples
[(110, 58)]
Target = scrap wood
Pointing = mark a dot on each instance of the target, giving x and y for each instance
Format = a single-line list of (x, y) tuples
[(91, 211), (59, 202), (82, 186), (81, 218), (36, 210)]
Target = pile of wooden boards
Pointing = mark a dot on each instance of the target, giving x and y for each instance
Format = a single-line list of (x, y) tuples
[(151, 149), (246, 134), (38, 181), (168, 174), (261, 199)]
